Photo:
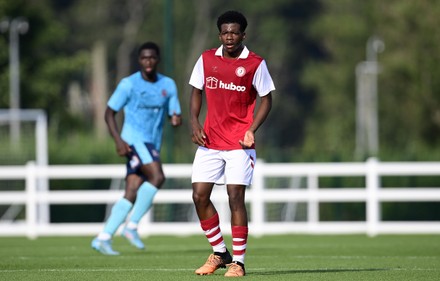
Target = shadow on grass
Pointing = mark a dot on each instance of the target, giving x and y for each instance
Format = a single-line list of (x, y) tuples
[(295, 271)]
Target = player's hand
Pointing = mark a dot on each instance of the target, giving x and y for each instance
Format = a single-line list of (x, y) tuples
[(122, 148), (248, 140), (198, 135), (176, 120)]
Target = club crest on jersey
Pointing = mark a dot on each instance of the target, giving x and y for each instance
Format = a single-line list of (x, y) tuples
[(164, 93), (240, 71)]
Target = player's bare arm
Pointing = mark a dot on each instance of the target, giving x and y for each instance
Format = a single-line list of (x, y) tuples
[(122, 148), (198, 135), (261, 115)]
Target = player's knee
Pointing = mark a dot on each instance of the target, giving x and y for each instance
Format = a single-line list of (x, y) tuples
[(199, 199), (157, 180), (130, 194), (236, 199), (195, 197)]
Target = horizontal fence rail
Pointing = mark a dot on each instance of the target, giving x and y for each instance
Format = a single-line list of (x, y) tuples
[(372, 194)]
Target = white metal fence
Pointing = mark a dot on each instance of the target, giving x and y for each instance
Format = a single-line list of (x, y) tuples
[(257, 197)]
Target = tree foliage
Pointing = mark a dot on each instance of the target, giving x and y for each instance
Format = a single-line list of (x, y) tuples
[(408, 103), (311, 46), (410, 100)]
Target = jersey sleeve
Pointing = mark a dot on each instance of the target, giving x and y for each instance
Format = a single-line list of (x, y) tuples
[(197, 79), (173, 103), (120, 96), (262, 81)]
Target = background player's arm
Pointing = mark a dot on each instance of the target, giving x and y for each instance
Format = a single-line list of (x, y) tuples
[(262, 112), (198, 135), (122, 148), (174, 111)]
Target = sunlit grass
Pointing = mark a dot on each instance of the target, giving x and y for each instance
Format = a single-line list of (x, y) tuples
[(285, 257)]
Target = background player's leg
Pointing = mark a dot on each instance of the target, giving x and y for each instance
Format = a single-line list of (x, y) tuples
[(143, 203), (102, 243), (117, 216), (145, 195), (119, 213), (144, 200)]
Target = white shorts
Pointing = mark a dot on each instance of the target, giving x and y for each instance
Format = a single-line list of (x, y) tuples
[(224, 166)]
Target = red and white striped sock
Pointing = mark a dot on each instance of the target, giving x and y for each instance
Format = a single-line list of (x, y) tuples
[(211, 227), (239, 242)]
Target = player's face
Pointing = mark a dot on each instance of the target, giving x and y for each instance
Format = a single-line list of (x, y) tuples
[(232, 39), (148, 60)]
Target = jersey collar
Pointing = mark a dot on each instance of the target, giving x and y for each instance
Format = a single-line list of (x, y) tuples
[(244, 54)]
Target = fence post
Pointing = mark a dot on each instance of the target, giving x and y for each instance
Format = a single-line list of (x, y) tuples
[(41, 150), (257, 202), (31, 200), (312, 204), (373, 204)]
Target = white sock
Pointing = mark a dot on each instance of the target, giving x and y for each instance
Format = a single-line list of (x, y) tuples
[(132, 225), (104, 236)]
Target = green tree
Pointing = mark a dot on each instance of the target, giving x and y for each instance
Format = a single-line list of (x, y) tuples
[(46, 58), (342, 30), (408, 103), (312, 49)]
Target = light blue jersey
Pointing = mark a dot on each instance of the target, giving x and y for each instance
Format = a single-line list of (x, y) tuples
[(145, 105)]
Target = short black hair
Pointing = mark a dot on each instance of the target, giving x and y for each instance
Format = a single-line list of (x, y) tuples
[(232, 17), (149, 45)]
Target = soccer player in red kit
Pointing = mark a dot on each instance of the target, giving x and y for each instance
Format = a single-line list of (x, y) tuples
[(232, 77)]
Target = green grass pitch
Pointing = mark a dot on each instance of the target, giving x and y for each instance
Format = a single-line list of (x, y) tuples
[(283, 257)]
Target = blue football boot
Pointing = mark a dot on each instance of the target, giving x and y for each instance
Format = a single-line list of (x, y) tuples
[(133, 237), (104, 247)]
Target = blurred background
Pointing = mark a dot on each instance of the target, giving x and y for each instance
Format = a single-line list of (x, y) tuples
[(354, 79)]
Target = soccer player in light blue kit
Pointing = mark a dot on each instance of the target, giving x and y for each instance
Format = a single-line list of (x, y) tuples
[(146, 96)]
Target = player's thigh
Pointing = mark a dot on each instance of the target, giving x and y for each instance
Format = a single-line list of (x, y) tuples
[(240, 165), (144, 161), (208, 166)]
